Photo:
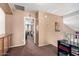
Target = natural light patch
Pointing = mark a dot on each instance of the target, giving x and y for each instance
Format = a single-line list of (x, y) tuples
[(2, 22)]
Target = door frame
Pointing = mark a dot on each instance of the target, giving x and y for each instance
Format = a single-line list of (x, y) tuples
[(34, 35)]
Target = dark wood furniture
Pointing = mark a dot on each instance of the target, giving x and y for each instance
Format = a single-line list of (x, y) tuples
[(66, 49)]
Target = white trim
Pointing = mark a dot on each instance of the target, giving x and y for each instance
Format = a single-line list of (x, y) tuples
[(17, 46), (34, 27)]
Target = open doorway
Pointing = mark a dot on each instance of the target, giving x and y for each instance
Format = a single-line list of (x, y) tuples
[(29, 29)]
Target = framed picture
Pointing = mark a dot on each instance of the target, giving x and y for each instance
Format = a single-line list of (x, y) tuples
[(57, 27)]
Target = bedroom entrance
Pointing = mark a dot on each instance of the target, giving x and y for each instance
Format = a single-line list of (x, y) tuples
[(29, 30)]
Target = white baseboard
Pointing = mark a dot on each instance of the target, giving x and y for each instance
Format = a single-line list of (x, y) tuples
[(43, 45), (17, 45), (53, 44)]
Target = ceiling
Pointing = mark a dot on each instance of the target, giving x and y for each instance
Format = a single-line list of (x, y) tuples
[(6, 8), (55, 8), (70, 10), (72, 22)]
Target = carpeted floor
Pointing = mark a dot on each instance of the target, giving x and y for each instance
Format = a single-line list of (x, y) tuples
[(30, 49)]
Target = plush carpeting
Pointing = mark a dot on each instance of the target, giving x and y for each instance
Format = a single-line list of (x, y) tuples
[(30, 49)]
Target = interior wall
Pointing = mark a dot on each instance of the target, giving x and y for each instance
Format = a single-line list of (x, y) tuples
[(8, 23), (2, 22), (46, 27), (9, 26), (15, 25), (30, 13), (47, 34), (18, 27)]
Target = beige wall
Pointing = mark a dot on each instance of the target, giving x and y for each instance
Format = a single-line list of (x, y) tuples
[(46, 27), (18, 27), (15, 25), (8, 23), (47, 34), (30, 13)]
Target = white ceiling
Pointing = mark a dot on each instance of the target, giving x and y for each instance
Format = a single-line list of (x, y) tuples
[(72, 22), (55, 8), (60, 9)]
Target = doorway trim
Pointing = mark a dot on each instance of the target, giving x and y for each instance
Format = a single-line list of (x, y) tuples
[(27, 17)]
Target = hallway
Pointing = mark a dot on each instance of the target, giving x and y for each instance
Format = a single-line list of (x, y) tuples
[(30, 49)]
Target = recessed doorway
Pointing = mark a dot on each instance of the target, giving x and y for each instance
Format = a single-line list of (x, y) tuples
[(29, 29)]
